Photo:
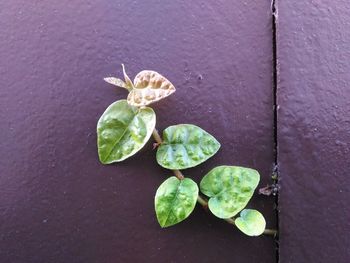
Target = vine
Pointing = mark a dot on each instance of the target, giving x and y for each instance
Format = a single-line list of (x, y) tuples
[(126, 126)]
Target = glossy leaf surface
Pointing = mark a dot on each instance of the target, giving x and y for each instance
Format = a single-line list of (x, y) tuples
[(251, 222), (185, 146), (123, 130), (175, 200), (230, 188), (149, 87)]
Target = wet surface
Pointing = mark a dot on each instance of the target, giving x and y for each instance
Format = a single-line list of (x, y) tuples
[(58, 202)]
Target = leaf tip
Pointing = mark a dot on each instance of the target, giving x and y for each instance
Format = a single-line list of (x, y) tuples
[(123, 67), (107, 79), (102, 160)]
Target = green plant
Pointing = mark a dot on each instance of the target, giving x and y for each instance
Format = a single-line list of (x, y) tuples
[(126, 126)]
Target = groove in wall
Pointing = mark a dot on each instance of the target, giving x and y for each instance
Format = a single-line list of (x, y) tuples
[(275, 118)]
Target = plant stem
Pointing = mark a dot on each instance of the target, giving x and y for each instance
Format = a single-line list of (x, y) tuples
[(178, 174), (156, 136), (200, 199), (272, 232), (267, 231)]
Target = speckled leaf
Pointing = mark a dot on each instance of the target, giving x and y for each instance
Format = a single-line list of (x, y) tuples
[(149, 87), (175, 200), (116, 82), (251, 222), (128, 82), (123, 130), (185, 146), (229, 188)]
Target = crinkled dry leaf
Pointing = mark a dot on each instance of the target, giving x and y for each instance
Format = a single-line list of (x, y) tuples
[(128, 82), (149, 87), (116, 82)]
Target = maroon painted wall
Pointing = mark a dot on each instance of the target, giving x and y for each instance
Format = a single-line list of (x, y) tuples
[(314, 130), (58, 203)]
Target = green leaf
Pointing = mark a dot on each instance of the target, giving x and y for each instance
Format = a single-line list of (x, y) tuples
[(175, 200), (251, 222), (185, 146), (123, 130), (229, 188)]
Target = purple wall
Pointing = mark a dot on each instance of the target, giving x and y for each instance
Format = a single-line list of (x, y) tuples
[(314, 130), (58, 203)]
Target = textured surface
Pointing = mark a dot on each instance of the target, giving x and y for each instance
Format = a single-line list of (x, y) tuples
[(251, 222), (230, 188), (116, 82), (185, 146), (58, 203), (175, 200), (123, 130), (314, 130), (149, 87)]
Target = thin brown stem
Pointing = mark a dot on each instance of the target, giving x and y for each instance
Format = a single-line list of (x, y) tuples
[(178, 174), (157, 137), (200, 199), (271, 232), (267, 231), (230, 221)]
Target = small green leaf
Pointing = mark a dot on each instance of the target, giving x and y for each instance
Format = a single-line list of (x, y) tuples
[(251, 222), (175, 200), (123, 130), (229, 188), (185, 146)]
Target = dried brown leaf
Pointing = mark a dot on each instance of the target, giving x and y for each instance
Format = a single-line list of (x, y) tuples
[(149, 87)]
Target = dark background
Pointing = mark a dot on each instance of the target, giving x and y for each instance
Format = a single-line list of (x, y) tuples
[(59, 204)]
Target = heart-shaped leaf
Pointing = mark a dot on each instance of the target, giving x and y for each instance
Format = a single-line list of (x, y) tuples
[(229, 188), (175, 200), (149, 87), (185, 146), (251, 222), (123, 130)]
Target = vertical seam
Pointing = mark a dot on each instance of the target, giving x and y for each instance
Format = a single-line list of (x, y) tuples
[(274, 13)]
